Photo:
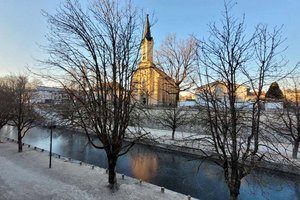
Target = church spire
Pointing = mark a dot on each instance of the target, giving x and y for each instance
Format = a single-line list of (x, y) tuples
[(147, 32), (147, 44)]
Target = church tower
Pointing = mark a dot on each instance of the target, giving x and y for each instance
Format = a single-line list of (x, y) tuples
[(151, 86), (147, 45)]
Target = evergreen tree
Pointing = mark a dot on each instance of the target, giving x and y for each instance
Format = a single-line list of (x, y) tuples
[(274, 91)]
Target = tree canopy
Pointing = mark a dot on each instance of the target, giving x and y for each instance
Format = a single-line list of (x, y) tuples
[(274, 91)]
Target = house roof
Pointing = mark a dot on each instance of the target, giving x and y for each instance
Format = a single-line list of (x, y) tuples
[(217, 82), (49, 89), (291, 91)]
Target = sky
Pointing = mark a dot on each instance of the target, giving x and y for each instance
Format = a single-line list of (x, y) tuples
[(23, 27)]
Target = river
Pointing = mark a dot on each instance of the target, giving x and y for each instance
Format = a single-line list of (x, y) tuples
[(172, 170)]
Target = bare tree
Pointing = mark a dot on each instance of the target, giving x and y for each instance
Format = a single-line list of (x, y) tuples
[(6, 99), (285, 123), (97, 49), (226, 60), (23, 113), (173, 117), (178, 60)]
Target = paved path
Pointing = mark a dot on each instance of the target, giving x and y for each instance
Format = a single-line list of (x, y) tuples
[(26, 176)]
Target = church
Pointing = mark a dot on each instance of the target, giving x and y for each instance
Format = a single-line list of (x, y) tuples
[(151, 86)]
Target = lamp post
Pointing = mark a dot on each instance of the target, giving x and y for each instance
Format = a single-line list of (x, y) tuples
[(51, 126)]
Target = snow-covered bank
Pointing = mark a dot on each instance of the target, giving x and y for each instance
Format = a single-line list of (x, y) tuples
[(188, 142), (26, 176)]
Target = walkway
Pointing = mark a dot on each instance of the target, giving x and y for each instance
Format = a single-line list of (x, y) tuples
[(26, 176)]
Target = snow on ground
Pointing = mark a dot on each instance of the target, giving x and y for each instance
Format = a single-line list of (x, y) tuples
[(26, 176), (275, 152)]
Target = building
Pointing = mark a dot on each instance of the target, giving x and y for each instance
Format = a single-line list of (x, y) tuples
[(292, 95), (187, 99), (44, 94), (109, 91), (218, 91), (151, 86)]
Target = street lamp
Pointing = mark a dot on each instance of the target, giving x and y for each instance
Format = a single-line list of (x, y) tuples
[(51, 126)]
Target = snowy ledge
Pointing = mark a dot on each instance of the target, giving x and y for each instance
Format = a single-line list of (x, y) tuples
[(26, 176), (184, 143)]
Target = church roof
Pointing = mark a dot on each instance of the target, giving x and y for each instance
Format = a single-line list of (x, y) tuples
[(159, 71), (147, 32)]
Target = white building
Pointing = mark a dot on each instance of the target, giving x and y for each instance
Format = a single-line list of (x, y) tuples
[(44, 94), (218, 91), (271, 106)]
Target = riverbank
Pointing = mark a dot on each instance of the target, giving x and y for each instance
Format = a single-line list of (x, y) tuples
[(186, 142), (276, 167), (26, 176)]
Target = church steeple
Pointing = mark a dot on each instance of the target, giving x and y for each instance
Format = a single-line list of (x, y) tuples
[(147, 32), (147, 44)]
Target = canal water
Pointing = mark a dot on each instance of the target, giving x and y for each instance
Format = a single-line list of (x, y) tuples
[(172, 170)]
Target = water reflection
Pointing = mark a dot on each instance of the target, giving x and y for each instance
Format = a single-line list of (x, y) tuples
[(261, 185), (297, 191), (143, 164)]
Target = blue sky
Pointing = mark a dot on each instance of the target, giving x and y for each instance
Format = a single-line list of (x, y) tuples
[(22, 26)]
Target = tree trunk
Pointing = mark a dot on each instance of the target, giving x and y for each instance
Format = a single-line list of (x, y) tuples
[(112, 179), (235, 189), (234, 195), (173, 134), (233, 181), (20, 146), (295, 149), (177, 99)]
